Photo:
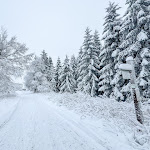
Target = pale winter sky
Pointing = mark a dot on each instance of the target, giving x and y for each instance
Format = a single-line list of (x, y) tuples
[(57, 26)]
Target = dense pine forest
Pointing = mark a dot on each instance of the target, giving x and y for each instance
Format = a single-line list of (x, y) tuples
[(95, 71)]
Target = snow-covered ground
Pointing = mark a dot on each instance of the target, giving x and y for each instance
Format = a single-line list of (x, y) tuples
[(34, 122), (117, 117)]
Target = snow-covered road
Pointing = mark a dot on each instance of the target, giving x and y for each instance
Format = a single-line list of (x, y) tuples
[(33, 123)]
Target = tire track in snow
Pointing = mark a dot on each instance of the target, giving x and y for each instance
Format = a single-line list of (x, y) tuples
[(63, 134), (87, 132), (82, 129), (20, 130), (5, 122)]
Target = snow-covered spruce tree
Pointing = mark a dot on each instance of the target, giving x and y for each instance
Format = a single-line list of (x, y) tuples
[(73, 66), (48, 70), (36, 79), (136, 43), (108, 56), (47, 64), (97, 47), (57, 74), (12, 62), (89, 65), (79, 75), (51, 74), (44, 58), (97, 43), (67, 80)]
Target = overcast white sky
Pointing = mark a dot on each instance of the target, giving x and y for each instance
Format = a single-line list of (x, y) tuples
[(57, 26)]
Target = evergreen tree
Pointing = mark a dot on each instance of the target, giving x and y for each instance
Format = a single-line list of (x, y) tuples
[(44, 58), (108, 56), (79, 75), (136, 43), (67, 79), (97, 44), (51, 74), (73, 66), (49, 70), (97, 47), (89, 65), (57, 74)]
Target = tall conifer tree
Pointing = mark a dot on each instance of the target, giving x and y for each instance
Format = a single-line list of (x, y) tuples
[(57, 74), (67, 79), (136, 43), (89, 65), (108, 55)]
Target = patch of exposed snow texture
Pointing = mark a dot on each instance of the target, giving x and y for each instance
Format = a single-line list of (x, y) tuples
[(114, 54), (130, 58), (142, 36), (125, 67)]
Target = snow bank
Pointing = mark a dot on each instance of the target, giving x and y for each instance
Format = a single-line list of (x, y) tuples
[(122, 115)]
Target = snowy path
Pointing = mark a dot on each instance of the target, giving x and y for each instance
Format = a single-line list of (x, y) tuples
[(34, 123)]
